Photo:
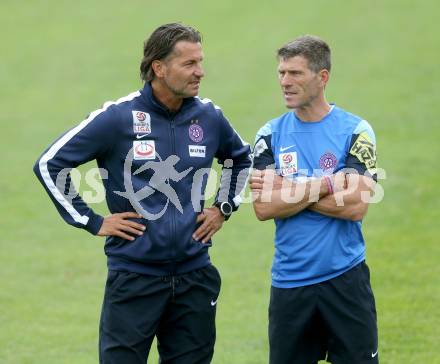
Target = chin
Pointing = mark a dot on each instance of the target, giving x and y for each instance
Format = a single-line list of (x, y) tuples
[(192, 93), (290, 105)]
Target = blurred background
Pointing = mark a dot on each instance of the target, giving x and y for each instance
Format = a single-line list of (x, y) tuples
[(61, 60)]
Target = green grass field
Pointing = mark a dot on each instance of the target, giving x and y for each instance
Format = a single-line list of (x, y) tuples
[(62, 59)]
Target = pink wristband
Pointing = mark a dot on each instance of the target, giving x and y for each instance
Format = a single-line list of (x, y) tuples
[(328, 180)]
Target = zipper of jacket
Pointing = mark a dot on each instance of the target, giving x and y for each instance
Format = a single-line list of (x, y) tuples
[(173, 215)]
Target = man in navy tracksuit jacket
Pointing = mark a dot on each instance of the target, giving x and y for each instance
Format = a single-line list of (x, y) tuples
[(155, 148)]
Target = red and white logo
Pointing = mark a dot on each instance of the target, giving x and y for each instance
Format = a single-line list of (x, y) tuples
[(144, 149), (141, 116), (141, 122), (288, 163), (287, 158)]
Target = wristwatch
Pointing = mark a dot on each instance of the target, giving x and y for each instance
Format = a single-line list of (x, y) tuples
[(225, 209)]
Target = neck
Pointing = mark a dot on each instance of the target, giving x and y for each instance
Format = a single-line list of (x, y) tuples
[(314, 111), (166, 96)]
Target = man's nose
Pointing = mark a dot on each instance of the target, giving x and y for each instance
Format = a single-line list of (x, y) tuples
[(199, 72), (285, 81)]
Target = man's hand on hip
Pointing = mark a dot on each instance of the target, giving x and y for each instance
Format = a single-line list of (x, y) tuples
[(212, 220), (118, 225)]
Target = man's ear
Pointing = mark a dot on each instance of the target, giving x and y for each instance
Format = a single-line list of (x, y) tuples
[(158, 68), (324, 75)]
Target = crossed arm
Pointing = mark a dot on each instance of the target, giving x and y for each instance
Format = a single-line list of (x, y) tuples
[(350, 203), (278, 197)]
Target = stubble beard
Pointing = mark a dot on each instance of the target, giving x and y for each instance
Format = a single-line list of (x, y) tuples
[(180, 92)]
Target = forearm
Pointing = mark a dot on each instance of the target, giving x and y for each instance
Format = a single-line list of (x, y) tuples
[(291, 199), (233, 180), (70, 205), (352, 208), (278, 209), (347, 204)]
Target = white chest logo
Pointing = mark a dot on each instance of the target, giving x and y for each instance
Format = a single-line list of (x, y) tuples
[(141, 122), (288, 163), (144, 149)]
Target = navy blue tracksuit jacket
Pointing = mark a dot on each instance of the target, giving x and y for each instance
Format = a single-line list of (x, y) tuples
[(155, 163)]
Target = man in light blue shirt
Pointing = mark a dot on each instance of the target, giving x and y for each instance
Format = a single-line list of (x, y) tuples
[(315, 169)]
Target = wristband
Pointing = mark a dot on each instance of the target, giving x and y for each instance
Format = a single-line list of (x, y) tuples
[(329, 182)]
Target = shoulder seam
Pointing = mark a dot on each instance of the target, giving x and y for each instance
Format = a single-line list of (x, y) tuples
[(208, 101)]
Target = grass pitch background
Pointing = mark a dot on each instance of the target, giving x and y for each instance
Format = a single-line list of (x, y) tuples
[(61, 59)]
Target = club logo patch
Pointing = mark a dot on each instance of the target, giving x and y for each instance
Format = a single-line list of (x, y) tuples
[(141, 122), (144, 149), (364, 150), (195, 132), (197, 151), (288, 163), (328, 161)]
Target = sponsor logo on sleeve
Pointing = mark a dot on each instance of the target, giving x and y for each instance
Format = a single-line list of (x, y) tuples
[(288, 163), (197, 151), (144, 149), (141, 122), (365, 150)]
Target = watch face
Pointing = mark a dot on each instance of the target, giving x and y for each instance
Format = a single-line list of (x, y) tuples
[(226, 208)]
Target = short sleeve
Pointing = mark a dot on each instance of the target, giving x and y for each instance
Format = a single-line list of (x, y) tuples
[(263, 155), (362, 150)]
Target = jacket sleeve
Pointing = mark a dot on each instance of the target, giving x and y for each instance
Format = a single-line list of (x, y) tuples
[(234, 154), (89, 140)]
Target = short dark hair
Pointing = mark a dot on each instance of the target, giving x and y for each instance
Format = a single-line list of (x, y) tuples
[(161, 43), (314, 49)]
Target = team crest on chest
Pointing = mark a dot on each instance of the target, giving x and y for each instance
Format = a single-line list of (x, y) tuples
[(195, 131), (328, 161), (288, 163), (141, 122)]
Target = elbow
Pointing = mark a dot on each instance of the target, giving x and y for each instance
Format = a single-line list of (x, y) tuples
[(36, 168), (261, 216), (261, 213), (356, 217), (357, 214)]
